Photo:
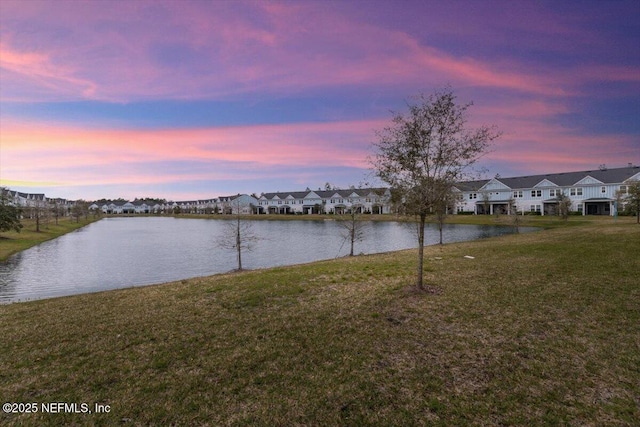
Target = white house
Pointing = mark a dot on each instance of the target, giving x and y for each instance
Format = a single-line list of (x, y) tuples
[(239, 203), (368, 200), (591, 192)]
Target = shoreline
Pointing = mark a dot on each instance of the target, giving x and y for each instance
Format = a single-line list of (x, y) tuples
[(535, 324)]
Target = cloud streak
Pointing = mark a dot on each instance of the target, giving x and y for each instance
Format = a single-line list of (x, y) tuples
[(307, 84), (141, 156), (216, 53)]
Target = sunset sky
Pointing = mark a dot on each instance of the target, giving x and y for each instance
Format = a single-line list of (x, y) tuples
[(196, 99)]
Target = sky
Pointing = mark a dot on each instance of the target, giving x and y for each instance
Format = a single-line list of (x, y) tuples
[(188, 100)]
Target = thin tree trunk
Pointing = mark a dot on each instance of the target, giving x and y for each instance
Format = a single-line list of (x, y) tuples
[(239, 245), (421, 250), (353, 236)]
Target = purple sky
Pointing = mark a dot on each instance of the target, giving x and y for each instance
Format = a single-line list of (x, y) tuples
[(196, 99)]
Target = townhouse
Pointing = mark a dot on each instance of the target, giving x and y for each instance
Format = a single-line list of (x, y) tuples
[(18, 198), (31, 201), (374, 200), (227, 204), (368, 200), (593, 192)]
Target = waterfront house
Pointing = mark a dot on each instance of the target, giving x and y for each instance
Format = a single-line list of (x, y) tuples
[(592, 192), (368, 200)]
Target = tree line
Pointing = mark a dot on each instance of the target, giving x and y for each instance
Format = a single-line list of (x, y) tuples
[(40, 211)]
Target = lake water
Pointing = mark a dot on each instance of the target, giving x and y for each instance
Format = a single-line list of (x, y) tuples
[(123, 252)]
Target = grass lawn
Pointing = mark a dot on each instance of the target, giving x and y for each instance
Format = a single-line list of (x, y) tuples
[(538, 329), (12, 242)]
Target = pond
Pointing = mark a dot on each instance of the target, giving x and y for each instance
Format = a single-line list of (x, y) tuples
[(123, 252)]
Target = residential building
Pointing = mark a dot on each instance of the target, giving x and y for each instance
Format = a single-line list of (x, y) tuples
[(363, 200), (592, 192)]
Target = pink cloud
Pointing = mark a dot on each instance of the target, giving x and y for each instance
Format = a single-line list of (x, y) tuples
[(538, 147), (116, 53), (55, 154)]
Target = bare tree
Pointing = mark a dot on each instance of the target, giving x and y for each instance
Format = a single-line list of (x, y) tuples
[(56, 209), (564, 205), (512, 211), (448, 200), (486, 203), (237, 234), (353, 228), (425, 152), (38, 212), (80, 208)]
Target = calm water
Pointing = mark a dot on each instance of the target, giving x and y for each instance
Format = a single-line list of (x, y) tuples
[(123, 252)]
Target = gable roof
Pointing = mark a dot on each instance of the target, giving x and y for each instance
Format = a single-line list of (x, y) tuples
[(495, 184), (325, 194), (545, 183), (563, 179)]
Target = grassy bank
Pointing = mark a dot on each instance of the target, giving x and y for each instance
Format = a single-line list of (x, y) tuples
[(538, 329), (12, 242)]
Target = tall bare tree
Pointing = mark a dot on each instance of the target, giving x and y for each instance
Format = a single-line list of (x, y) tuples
[(425, 152)]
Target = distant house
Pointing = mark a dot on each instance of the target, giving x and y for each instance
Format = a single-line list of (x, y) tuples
[(26, 201), (591, 192), (239, 203), (368, 200)]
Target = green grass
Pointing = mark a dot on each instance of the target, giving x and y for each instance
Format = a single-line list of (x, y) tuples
[(539, 329), (12, 242)]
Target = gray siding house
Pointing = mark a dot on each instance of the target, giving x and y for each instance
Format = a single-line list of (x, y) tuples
[(591, 192)]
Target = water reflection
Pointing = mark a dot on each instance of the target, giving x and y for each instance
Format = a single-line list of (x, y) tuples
[(122, 252)]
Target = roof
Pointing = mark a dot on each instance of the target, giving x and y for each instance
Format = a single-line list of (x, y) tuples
[(563, 179), (325, 194)]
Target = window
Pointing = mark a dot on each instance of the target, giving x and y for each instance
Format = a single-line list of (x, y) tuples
[(517, 194), (603, 189), (576, 192), (535, 208), (554, 193), (473, 196), (623, 189), (536, 193)]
